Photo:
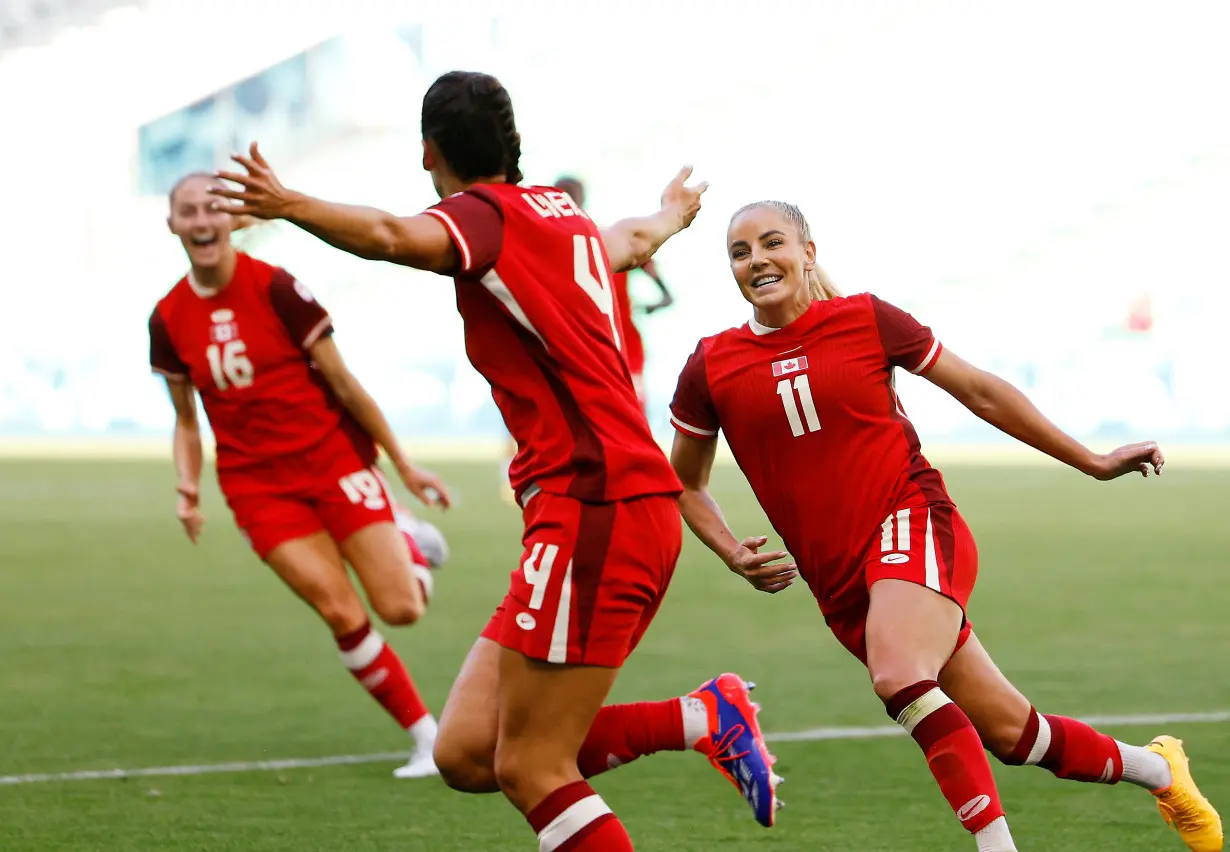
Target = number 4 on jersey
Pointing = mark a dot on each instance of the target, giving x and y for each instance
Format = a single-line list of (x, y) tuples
[(801, 387), (587, 256)]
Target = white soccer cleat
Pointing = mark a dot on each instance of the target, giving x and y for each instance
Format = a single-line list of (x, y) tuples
[(421, 765)]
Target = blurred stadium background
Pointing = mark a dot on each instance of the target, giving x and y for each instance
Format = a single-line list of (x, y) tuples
[(1046, 184)]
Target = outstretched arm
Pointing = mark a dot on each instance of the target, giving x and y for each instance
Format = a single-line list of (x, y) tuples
[(420, 241), (692, 459), (1007, 409), (630, 243), (355, 398)]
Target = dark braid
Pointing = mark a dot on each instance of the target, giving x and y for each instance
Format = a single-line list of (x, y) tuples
[(469, 117)]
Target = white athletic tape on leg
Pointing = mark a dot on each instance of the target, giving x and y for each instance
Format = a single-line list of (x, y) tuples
[(921, 708)]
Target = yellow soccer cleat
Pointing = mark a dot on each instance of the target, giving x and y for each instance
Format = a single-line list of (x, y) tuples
[(1182, 805)]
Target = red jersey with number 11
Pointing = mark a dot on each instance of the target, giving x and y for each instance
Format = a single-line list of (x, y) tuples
[(812, 417), (542, 326)]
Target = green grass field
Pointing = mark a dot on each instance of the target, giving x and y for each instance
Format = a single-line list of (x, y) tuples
[(124, 647)]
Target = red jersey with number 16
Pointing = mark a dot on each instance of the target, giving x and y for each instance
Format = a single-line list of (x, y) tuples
[(244, 348), (541, 325), (812, 417)]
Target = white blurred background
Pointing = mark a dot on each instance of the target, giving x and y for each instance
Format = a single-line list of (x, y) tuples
[(1045, 184)]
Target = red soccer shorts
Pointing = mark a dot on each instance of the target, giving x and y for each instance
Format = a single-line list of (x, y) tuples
[(591, 579), (928, 545), (330, 488)]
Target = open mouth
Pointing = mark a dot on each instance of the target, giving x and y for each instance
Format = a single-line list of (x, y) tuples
[(764, 281), (202, 240)]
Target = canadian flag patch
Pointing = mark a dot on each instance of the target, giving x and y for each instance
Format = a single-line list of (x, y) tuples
[(790, 365)]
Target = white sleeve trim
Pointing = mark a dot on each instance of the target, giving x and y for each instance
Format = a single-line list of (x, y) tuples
[(695, 430), (316, 332), (458, 237), (926, 362)]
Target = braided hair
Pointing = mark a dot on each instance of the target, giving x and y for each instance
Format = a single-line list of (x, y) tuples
[(818, 281), (469, 117)]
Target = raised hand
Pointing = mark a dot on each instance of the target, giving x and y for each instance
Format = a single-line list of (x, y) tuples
[(681, 199), (762, 569), (261, 195)]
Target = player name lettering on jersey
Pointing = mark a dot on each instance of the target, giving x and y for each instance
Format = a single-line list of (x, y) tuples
[(790, 365), (553, 205)]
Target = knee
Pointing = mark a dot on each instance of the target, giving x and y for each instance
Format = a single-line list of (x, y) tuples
[(892, 676), (342, 616), (462, 769), (398, 609)]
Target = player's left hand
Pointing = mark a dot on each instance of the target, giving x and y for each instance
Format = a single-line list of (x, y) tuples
[(1134, 458), (681, 199), (424, 485), (261, 195)]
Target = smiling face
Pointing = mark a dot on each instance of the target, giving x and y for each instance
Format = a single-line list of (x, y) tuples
[(204, 230), (770, 259)]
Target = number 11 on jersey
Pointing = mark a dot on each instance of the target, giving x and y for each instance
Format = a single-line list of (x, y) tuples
[(802, 387)]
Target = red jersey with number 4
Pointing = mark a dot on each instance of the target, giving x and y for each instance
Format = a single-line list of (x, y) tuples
[(812, 417), (541, 325), (244, 348)]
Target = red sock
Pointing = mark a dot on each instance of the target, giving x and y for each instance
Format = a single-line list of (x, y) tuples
[(575, 819), (1070, 749), (623, 732), (377, 666), (953, 749)]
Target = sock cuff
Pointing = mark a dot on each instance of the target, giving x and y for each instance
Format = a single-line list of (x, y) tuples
[(1034, 742), (570, 812), (914, 703), (360, 649)]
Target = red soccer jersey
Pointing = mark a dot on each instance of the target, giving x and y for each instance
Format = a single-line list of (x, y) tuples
[(244, 348), (541, 325), (812, 417), (634, 348)]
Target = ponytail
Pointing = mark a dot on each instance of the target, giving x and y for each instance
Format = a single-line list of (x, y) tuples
[(819, 284)]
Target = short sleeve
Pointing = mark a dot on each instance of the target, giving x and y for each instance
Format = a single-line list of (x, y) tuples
[(907, 342), (306, 321), (692, 411), (476, 226), (162, 355)]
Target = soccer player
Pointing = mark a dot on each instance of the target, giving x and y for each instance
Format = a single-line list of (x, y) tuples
[(630, 335), (296, 460), (804, 394), (602, 528)]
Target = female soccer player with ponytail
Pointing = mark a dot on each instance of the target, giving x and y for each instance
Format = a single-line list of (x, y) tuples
[(805, 397), (602, 530)]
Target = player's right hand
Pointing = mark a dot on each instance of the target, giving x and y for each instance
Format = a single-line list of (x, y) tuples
[(762, 570), (189, 513), (682, 199)]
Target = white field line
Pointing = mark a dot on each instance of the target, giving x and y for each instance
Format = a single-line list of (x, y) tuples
[(810, 735)]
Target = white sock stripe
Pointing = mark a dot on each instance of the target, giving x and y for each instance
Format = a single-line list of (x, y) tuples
[(572, 820), (364, 654), (921, 708), (1041, 744)]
